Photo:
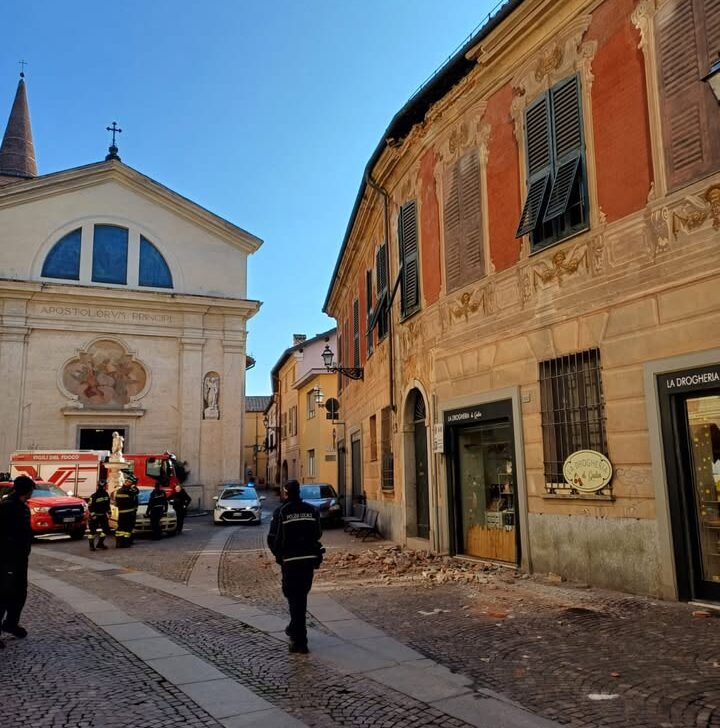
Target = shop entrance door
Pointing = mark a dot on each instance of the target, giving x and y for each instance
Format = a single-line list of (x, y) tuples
[(696, 455), (484, 499), (356, 470)]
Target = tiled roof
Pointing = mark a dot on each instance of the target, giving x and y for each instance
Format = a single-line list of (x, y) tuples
[(256, 404), (17, 153)]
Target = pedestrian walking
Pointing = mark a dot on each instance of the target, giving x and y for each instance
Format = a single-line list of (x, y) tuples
[(15, 544), (98, 512), (127, 503), (156, 509), (180, 501), (294, 540)]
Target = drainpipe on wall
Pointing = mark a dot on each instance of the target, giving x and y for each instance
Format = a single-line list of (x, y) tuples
[(386, 204)]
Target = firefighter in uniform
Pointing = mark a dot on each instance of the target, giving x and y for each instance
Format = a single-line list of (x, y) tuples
[(131, 480), (99, 510), (127, 503), (294, 540), (156, 509)]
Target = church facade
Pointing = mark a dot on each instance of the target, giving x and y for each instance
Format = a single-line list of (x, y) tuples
[(122, 308)]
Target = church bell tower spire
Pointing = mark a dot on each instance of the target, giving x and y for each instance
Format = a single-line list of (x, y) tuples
[(17, 153)]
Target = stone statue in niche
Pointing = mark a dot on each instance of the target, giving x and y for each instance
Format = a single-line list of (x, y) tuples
[(211, 393)]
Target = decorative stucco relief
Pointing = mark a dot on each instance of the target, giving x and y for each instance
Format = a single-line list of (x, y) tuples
[(104, 375), (697, 210), (478, 301)]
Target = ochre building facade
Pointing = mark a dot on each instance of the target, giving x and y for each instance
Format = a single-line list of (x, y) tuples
[(531, 271)]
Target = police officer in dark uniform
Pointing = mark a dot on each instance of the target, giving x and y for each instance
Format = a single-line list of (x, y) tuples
[(127, 503), (15, 543), (294, 540), (99, 510), (156, 509)]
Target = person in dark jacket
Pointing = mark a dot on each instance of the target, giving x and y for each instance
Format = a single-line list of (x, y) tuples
[(99, 510), (15, 544), (180, 501), (127, 504), (131, 480), (156, 509), (294, 540)]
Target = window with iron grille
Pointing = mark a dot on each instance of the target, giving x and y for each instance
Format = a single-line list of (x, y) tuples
[(573, 412), (556, 201), (387, 462)]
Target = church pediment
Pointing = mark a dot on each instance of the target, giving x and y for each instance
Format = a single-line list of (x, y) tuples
[(101, 173)]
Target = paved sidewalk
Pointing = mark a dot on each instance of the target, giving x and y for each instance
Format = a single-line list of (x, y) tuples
[(230, 658)]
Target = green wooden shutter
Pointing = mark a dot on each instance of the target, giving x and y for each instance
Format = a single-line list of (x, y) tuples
[(539, 162), (379, 318), (368, 311), (356, 333), (566, 114), (409, 259), (688, 41)]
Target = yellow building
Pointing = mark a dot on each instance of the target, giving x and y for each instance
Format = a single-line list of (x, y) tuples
[(529, 280), (255, 444), (305, 442)]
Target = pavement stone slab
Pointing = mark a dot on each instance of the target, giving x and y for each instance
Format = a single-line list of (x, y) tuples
[(155, 647), (417, 682), (130, 631), (182, 669), (350, 659), (484, 712), (272, 718), (354, 629), (224, 698)]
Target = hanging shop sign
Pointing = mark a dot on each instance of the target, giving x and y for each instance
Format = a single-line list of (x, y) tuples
[(587, 471)]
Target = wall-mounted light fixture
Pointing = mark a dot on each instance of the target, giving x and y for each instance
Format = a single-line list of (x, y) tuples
[(349, 372)]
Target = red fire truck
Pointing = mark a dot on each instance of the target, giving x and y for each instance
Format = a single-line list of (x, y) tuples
[(77, 471)]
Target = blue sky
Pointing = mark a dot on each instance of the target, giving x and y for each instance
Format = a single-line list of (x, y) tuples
[(265, 112)]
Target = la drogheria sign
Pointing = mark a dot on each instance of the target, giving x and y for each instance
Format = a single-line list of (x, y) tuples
[(707, 377), (587, 471)]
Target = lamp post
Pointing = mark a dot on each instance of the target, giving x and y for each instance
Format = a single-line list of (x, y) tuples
[(329, 361), (713, 79)]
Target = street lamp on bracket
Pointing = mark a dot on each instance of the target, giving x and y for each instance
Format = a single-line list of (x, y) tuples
[(329, 361)]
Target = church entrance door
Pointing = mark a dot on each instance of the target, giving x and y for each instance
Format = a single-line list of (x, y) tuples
[(92, 438)]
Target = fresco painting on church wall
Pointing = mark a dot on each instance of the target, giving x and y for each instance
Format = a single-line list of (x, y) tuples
[(104, 375)]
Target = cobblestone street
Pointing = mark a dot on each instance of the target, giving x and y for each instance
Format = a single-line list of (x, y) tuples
[(189, 631)]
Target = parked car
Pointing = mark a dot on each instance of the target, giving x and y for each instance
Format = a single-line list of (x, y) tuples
[(52, 511), (142, 524), (238, 504), (325, 499)]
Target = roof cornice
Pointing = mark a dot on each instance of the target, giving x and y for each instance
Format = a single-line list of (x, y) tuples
[(25, 191)]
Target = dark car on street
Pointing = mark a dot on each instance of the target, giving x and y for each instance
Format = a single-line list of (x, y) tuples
[(325, 499)]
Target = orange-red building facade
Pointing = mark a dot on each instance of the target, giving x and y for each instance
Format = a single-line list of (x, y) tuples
[(494, 355)]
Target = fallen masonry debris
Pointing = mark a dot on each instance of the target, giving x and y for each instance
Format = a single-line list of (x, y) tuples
[(394, 562)]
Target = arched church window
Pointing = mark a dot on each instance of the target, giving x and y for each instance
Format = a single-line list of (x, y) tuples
[(63, 260), (110, 254), (154, 270)]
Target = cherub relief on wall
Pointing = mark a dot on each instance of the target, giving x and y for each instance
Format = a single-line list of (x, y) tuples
[(104, 375)]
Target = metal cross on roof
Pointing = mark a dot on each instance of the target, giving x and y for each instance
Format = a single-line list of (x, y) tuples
[(22, 68), (115, 129)]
